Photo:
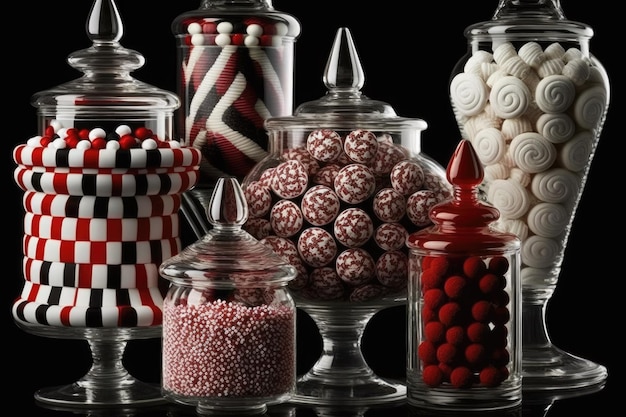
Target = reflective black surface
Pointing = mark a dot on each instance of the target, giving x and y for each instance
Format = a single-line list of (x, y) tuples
[(408, 56)]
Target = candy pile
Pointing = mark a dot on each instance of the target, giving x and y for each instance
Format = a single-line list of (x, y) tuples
[(464, 317), (232, 76), (99, 220), (220, 348), (339, 208), (533, 115)]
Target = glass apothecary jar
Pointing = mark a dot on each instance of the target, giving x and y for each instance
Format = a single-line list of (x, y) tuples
[(464, 347), (532, 99), (228, 319), (343, 185)]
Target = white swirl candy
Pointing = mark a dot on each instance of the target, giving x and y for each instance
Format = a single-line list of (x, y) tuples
[(490, 146), (557, 127), (576, 153), (555, 93), (509, 97), (540, 252), (469, 93), (548, 219), (590, 106), (532, 152), (557, 185), (510, 197)]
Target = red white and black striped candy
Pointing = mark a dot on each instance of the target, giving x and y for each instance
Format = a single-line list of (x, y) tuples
[(110, 253), (95, 207), (101, 230), (66, 274), (59, 306), (105, 158), (100, 184)]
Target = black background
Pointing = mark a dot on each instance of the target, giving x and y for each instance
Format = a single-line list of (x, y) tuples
[(408, 50)]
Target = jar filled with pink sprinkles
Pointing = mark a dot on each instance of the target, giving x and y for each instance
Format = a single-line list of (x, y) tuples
[(228, 320)]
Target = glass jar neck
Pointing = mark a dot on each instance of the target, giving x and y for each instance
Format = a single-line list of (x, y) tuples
[(547, 9)]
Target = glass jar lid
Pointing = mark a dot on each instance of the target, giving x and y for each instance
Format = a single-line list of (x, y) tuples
[(227, 255), (106, 90), (344, 104)]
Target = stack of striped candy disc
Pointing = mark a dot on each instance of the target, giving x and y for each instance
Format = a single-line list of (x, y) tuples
[(98, 222)]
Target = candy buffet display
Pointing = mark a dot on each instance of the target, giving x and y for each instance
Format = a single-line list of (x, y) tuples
[(235, 70), (532, 100), (464, 350), (102, 182), (343, 185), (229, 322)]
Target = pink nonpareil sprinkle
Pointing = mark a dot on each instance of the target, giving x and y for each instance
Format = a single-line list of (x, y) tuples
[(228, 349)]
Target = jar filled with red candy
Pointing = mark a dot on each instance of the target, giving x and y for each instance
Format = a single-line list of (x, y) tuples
[(228, 319), (344, 184), (464, 334)]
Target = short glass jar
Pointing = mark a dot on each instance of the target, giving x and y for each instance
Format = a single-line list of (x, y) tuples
[(464, 344), (228, 319)]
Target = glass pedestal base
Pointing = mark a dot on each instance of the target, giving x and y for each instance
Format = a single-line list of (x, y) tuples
[(107, 383), (341, 376)]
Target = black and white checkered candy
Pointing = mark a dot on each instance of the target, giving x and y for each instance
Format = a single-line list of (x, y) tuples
[(102, 230), (82, 307), (110, 253), (102, 159), (105, 184), (65, 274), (93, 207)]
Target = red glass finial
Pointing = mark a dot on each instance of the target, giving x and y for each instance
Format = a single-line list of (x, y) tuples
[(464, 168)]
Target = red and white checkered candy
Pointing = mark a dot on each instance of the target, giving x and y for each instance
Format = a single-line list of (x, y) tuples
[(302, 155), (360, 146), (290, 179), (316, 246), (325, 145), (320, 205), (326, 284), (389, 205), (407, 177), (367, 292), (392, 269), (258, 227), (355, 183), (390, 236), (355, 266), (259, 199), (326, 175), (387, 156), (353, 227), (286, 218), (418, 207)]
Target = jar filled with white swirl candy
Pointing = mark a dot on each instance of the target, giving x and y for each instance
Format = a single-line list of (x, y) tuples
[(532, 99)]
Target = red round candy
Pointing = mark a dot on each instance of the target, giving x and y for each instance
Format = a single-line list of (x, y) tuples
[(475, 354), (447, 353), (499, 265), (474, 267), (434, 298), (490, 376), (455, 335), (454, 286), (461, 377), (427, 352), (478, 332), (432, 376), (434, 331), (450, 313), (482, 311)]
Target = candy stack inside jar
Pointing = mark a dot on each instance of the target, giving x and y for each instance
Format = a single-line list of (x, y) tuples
[(102, 182), (344, 183)]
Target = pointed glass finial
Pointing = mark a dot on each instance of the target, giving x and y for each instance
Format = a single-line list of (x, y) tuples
[(104, 23), (106, 56), (343, 68), (227, 207)]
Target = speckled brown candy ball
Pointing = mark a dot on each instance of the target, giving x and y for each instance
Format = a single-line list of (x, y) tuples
[(290, 179), (360, 146), (355, 183), (324, 145), (407, 177), (353, 227), (316, 246), (355, 266), (286, 218)]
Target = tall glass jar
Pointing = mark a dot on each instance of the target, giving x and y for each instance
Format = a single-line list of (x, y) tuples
[(532, 99), (228, 319), (343, 185), (235, 70), (464, 347)]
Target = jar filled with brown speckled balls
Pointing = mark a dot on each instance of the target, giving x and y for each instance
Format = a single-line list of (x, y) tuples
[(343, 185), (228, 319)]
